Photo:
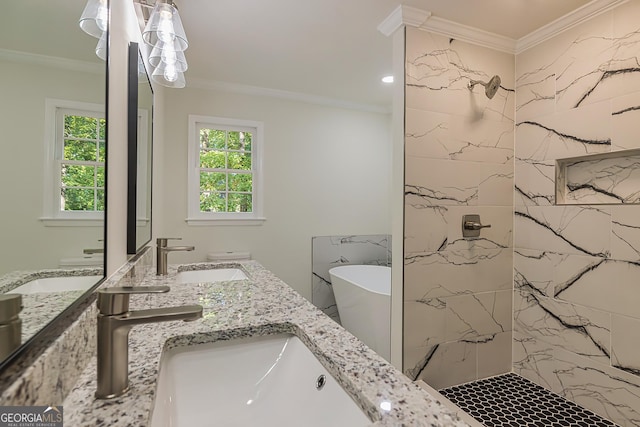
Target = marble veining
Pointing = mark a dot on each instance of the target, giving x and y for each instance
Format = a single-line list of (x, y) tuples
[(611, 393), (566, 136), (597, 181), (459, 158), (260, 305)]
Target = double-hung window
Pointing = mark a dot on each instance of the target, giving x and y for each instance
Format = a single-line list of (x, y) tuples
[(75, 162), (225, 182)]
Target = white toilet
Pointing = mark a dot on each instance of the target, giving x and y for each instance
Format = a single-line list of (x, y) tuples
[(228, 256), (82, 262)]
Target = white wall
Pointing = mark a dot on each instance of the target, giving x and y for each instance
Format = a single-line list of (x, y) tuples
[(327, 171), (397, 199), (123, 30), (28, 243)]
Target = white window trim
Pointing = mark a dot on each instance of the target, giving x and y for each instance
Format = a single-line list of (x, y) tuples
[(52, 215), (194, 216)]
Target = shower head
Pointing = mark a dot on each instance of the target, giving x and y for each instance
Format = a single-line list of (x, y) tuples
[(490, 88)]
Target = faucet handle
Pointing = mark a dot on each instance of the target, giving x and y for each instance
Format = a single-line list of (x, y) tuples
[(115, 300), (162, 241), (10, 307)]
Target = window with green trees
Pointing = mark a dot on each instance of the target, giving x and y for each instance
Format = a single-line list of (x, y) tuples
[(225, 171), (226, 175), (82, 161)]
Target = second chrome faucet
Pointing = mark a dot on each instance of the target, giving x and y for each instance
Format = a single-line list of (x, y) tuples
[(162, 250)]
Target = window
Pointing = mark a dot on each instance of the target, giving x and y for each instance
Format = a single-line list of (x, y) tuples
[(224, 171), (75, 149)]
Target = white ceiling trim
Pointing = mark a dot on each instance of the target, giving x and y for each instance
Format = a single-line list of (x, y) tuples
[(283, 94), (52, 61), (584, 13), (469, 34), (403, 15), (410, 16)]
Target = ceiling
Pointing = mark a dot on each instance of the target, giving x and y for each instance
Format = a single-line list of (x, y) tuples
[(323, 48), (46, 27), (329, 48)]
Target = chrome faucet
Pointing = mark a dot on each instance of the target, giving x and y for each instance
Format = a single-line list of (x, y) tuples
[(114, 323), (162, 250), (92, 251), (10, 324)]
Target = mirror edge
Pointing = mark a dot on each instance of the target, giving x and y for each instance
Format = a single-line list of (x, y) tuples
[(133, 246), (12, 367), (132, 146)]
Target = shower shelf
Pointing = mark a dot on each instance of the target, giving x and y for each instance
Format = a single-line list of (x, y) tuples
[(611, 178)]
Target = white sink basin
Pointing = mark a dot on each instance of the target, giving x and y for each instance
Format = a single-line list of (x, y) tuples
[(213, 275), (262, 381), (56, 284)]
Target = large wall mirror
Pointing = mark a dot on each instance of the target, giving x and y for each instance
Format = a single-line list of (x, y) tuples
[(52, 167), (140, 152)]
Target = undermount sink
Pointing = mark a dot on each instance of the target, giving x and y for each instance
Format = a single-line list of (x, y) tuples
[(213, 275), (268, 381), (56, 284)]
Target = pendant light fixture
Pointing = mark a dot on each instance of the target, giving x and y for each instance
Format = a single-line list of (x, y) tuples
[(101, 47), (95, 17), (164, 25), (164, 31), (94, 21)]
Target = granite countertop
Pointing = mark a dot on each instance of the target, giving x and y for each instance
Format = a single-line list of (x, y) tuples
[(39, 308), (17, 278), (261, 305)]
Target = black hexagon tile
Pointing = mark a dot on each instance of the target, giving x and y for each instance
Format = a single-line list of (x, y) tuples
[(512, 401)]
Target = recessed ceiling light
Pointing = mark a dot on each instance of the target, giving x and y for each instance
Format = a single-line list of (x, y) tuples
[(387, 79)]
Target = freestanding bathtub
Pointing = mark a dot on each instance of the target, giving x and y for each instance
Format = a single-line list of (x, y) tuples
[(363, 297)]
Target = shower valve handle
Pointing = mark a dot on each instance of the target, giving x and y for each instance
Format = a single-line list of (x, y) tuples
[(472, 225)]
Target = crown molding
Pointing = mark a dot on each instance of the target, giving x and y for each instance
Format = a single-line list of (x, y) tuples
[(570, 20), (52, 61), (283, 94), (418, 18), (469, 34), (403, 15), (410, 16)]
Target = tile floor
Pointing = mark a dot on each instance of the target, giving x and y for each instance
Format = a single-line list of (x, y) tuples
[(512, 401)]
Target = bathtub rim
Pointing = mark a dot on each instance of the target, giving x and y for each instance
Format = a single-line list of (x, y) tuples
[(361, 266)]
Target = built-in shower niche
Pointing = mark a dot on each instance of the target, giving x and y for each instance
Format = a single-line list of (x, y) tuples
[(597, 179)]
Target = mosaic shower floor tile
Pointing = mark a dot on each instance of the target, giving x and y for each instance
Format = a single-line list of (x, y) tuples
[(512, 401)]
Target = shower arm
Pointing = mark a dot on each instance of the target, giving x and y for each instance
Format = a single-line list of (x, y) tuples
[(472, 83)]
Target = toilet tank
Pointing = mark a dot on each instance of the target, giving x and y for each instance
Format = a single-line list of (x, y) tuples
[(79, 262), (228, 256)]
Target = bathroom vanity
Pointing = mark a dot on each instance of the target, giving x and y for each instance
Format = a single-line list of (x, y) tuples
[(260, 305)]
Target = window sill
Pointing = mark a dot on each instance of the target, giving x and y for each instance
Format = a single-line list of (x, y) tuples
[(224, 221), (72, 222)]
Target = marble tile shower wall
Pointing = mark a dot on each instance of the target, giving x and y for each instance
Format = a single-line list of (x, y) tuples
[(458, 160), (331, 251), (577, 268)]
